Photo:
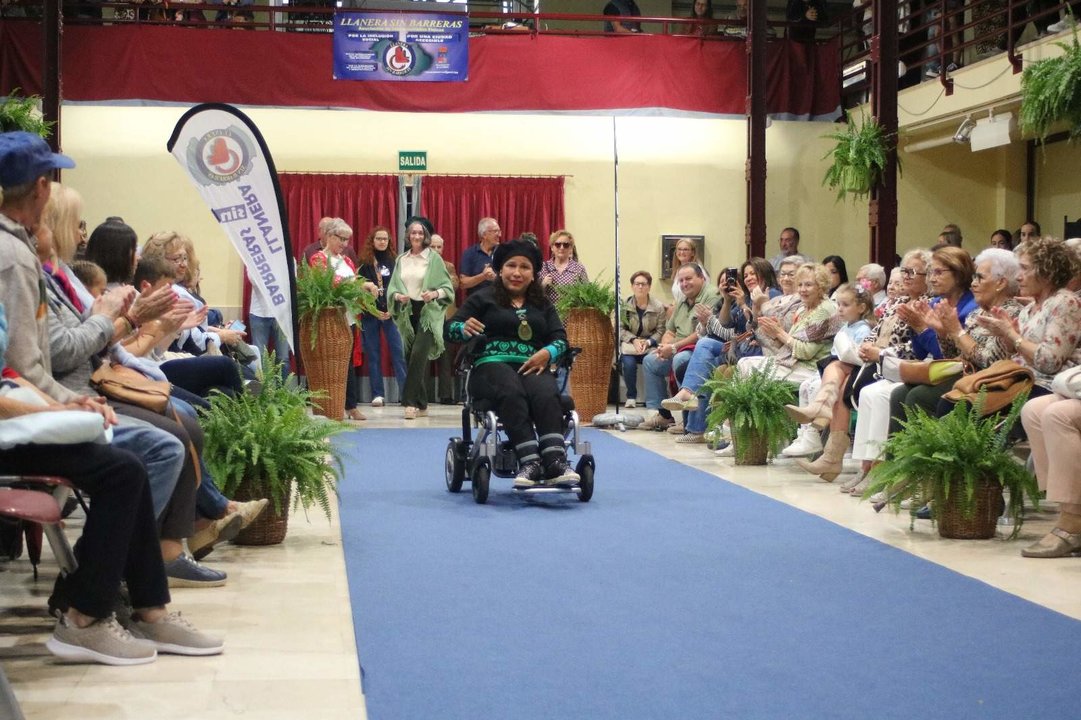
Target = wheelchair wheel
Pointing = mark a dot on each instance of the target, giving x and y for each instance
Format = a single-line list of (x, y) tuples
[(481, 475), (585, 471), (454, 467)]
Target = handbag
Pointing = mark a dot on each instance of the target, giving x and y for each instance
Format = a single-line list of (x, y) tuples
[(1068, 383), (123, 384), (1003, 381)]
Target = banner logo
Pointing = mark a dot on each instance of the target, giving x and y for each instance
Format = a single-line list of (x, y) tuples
[(220, 156), (399, 59)]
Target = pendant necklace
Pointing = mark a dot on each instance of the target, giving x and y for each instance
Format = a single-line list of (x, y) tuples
[(524, 331)]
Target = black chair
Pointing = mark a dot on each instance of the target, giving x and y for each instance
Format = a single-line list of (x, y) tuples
[(476, 459)]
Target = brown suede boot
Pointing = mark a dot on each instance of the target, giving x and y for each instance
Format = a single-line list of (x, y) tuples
[(820, 411), (829, 465)]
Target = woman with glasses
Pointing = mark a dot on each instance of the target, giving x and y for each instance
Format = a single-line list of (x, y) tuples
[(376, 266), (954, 300), (337, 237), (562, 268), (684, 252), (641, 326)]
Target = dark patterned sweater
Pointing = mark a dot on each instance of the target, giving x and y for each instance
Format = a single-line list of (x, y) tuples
[(502, 326)]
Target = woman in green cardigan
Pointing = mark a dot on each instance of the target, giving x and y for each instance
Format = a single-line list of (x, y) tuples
[(421, 290)]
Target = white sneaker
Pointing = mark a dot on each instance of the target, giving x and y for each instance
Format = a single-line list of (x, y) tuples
[(377, 401), (807, 442), (1058, 27), (726, 451), (631, 403)]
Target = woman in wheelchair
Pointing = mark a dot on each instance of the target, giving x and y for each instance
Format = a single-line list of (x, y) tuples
[(523, 337)]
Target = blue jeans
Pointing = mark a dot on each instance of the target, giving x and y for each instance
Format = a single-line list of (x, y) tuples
[(657, 375), (261, 330), (630, 374), (370, 327), (161, 454), (708, 354), (209, 502)]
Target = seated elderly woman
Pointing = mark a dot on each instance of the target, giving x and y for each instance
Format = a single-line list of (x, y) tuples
[(950, 281), (808, 341), (1053, 422), (523, 337), (1044, 337), (641, 326)]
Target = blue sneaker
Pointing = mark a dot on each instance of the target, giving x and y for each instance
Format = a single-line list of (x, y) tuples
[(186, 572)]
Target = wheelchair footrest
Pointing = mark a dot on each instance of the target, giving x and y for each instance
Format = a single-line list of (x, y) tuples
[(542, 489)]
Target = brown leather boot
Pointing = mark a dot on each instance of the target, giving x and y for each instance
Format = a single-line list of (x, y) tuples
[(820, 411), (829, 465)]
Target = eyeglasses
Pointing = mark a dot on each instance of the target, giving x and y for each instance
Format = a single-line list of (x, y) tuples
[(181, 258), (909, 272), (939, 272), (640, 283), (561, 244), (787, 273)]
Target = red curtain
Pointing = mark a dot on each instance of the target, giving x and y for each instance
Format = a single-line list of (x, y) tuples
[(363, 201), (456, 204)]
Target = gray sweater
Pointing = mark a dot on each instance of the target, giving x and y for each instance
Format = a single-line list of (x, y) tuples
[(74, 341), (23, 294)]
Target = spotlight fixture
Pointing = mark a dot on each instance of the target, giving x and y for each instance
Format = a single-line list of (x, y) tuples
[(964, 131), (992, 131)]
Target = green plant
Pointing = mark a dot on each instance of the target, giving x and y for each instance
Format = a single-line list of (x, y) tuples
[(859, 157), (932, 458), (319, 289), (592, 294), (21, 113), (1051, 93), (753, 404), (272, 443)]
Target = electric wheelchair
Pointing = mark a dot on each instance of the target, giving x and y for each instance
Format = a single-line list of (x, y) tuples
[(475, 459)]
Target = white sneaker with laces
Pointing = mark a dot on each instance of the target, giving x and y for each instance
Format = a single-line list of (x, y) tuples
[(377, 401), (103, 641), (631, 403), (173, 634), (1060, 26)]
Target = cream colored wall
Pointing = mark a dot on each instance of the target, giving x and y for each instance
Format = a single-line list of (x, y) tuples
[(1058, 186), (676, 176)]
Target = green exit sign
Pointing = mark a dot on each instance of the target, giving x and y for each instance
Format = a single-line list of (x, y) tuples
[(412, 160)]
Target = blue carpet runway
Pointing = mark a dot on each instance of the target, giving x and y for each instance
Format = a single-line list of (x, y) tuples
[(673, 594)]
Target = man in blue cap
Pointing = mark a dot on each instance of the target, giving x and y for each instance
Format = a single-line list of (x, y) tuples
[(26, 167)]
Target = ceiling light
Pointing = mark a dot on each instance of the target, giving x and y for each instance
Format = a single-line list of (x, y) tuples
[(992, 131)]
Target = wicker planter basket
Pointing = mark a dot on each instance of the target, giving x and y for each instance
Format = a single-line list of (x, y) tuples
[(270, 527), (981, 525), (328, 363), (754, 452), (592, 331)]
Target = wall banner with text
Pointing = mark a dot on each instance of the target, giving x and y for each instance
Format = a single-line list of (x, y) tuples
[(425, 47)]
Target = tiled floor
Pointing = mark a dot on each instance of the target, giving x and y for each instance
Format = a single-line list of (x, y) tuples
[(286, 618)]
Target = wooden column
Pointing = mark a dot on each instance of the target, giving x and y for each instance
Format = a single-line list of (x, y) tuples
[(882, 210), (756, 128), (50, 71)]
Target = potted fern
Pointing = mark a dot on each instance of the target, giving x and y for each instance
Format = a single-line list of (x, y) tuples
[(23, 113), (268, 445), (324, 306), (1051, 93), (753, 404), (960, 464), (586, 309), (858, 158)]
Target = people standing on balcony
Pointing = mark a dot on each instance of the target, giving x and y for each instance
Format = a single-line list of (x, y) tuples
[(806, 16), (622, 8), (701, 10), (954, 10)]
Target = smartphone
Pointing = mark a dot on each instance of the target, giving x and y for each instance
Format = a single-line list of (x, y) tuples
[(730, 275), (238, 326)]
